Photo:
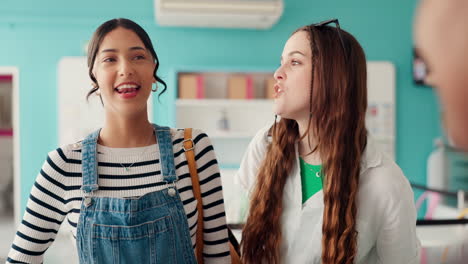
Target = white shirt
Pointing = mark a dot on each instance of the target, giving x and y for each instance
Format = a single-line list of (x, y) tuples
[(386, 219)]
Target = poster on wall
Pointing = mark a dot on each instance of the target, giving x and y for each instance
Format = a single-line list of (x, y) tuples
[(380, 116)]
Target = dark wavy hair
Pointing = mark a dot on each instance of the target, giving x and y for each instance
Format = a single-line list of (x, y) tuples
[(107, 27), (338, 103)]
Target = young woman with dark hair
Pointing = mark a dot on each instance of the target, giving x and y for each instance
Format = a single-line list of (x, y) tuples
[(126, 190)]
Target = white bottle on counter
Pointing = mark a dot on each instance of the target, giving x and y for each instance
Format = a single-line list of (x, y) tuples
[(437, 168)]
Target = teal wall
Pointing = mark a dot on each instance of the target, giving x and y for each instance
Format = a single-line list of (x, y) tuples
[(34, 35)]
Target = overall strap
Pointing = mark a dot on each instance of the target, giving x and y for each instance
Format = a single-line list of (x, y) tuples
[(89, 163), (164, 139)]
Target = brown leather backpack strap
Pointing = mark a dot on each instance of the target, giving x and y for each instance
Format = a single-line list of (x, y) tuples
[(189, 146)]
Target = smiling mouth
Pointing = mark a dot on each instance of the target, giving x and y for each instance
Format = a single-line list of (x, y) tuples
[(127, 88)]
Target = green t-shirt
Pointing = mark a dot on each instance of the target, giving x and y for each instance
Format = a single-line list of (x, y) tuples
[(311, 179)]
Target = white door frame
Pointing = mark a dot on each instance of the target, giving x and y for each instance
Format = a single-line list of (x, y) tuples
[(13, 71)]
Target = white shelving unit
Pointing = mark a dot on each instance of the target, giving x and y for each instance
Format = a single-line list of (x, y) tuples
[(223, 102), (230, 123), (244, 117), (231, 143)]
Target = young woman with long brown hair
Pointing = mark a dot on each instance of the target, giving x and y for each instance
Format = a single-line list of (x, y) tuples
[(320, 190)]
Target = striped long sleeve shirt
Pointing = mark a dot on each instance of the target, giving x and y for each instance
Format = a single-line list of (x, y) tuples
[(56, 196)]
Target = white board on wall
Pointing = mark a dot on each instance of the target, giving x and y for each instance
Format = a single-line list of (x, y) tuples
[(78, 117), (380, 118)]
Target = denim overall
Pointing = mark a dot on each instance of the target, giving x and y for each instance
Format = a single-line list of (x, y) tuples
[(152, 228)]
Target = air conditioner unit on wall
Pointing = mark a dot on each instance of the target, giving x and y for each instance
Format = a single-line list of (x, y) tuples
[(258, 14)]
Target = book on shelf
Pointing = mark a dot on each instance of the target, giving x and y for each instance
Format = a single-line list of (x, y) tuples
[(191, 86), (269, 88), (240, 87)]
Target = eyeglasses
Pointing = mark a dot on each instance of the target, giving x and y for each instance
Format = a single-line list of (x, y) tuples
[(338, 30)]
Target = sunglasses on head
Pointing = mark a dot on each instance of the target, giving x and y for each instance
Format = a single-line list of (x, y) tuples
[(338, 30)]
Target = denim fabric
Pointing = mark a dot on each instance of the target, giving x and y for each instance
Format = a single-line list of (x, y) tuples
[(152, 228)]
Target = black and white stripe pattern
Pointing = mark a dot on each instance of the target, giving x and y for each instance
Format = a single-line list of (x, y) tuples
[(56, 195)]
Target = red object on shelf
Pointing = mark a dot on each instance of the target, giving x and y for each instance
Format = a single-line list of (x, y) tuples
[(249, 88), (6, 78), (191, 86), (6, 132), (200, 87)]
